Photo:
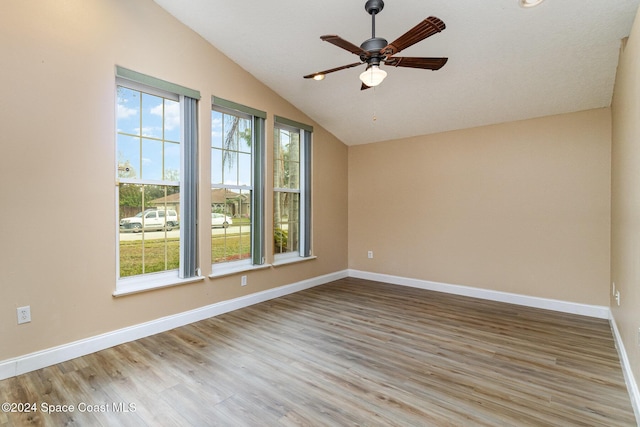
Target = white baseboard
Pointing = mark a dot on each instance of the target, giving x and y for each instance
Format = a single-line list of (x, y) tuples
[(601, 312), (629, 378), (40, 359)]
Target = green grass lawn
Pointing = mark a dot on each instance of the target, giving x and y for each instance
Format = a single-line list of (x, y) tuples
[(231, 247), (163, 255)]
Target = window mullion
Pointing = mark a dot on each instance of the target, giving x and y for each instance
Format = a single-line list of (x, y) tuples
[(148, 182)]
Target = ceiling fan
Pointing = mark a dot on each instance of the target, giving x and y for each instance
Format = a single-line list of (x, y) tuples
[(376, 50)]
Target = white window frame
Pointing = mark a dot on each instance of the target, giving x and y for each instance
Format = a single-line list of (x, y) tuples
[(188, 272)]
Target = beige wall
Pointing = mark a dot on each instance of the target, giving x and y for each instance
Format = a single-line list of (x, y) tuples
[(520, 207), (625, 204), (57, 233)]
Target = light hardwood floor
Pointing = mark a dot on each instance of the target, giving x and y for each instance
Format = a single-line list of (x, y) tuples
[(349, 353)]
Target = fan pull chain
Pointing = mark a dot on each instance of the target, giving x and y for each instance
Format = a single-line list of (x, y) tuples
[(375, 118)]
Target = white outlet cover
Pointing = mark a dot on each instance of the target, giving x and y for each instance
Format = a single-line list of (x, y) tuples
[(24, 314)]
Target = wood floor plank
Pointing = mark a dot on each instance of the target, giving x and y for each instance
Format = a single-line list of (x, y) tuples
[(352, 352)]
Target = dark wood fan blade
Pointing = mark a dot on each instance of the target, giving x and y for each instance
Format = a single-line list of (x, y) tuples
[(425, 63), (364, 87), (310, 76), (424, 29), (342, 43)]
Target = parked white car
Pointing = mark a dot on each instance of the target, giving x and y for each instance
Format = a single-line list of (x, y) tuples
[(151, 219), (220, 220)]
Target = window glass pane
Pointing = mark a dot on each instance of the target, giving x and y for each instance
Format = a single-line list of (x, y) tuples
[(276, 145), (279, 145), (230, 134), (244, 135), (216, 129), (172, 120), (244, 223), (130, 219), (286, 222), (293, 161), (244, 169), (279, 176), (293, 174), (128, 156), (230, 167), (152, 113), (230, 225), (151, 159), (130, 200), (294, 147), (128, 111), (171, 161), (216, 171)]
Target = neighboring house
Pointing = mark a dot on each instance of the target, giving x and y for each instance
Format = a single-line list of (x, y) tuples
[(230, 203), (222, 201), (171, 201)]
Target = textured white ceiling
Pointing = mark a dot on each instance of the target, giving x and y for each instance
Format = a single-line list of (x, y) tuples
[(505, 62)]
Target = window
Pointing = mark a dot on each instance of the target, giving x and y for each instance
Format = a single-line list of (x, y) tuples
[(237, 193), (292, 189), (156, 146)]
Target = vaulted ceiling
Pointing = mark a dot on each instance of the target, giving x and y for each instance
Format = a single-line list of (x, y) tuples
[(505, 63)]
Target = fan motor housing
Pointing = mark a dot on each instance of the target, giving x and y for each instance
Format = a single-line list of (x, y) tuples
[(374, 44)]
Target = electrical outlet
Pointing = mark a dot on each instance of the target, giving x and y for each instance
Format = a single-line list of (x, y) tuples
[(618, 298), (243, 281), (24, 314), (370, 254), (613, 288)]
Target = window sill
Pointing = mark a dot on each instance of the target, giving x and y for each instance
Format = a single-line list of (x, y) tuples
[(232, 268), (291, 260), (151, 282)]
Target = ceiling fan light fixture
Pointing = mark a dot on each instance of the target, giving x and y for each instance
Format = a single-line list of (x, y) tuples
[(377, 50), (373, 76), (530, 3)]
